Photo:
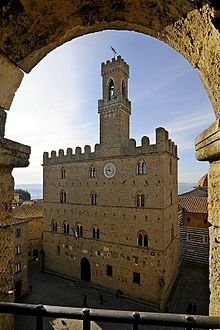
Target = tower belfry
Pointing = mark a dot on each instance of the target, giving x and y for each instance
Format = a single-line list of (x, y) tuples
[(114, 107)]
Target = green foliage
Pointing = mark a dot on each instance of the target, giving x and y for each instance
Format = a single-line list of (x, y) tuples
[(25, 195)]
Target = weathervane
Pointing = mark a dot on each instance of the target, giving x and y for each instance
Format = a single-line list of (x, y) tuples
[(114, 51)]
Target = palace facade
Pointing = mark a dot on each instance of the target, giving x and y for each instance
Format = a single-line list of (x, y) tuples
[(111, 215)]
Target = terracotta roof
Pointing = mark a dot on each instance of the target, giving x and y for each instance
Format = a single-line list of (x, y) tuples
[(28, 211), (197, 192), (194, 204)]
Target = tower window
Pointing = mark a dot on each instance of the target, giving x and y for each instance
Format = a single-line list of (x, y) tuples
[(170, 166), (18, 232), (140, 200), (17, 268), (111, 89), (123, 88), (141, 167), (109, 270), (79, 230), (62, 196), (54, 226), (142, 240), (18, 250), (63, 173), (92, 172), (95, 232), (66, 228), (93, 198), (136, 278)]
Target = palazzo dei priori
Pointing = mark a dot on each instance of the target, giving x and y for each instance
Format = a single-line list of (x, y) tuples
[(111, 215)]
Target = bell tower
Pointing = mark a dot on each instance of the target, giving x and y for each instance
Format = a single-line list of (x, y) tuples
[(114, 107)]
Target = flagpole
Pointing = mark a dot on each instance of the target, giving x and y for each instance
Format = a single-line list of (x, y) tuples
[(114, 51)]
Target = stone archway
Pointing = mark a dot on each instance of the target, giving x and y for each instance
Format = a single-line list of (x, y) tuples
[(85, 270), (30, 30)]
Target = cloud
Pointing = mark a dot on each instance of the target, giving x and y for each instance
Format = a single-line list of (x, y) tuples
[(155, 84), (188, 122)]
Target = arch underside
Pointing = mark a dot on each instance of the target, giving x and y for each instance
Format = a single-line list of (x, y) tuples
[(30, 31)]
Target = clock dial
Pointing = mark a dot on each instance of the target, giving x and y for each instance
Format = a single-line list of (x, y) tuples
[(109, 170)]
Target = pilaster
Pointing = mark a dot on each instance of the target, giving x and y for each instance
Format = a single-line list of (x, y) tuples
[(208, 149)]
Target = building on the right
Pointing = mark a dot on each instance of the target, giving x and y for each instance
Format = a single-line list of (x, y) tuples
[(193, 224)]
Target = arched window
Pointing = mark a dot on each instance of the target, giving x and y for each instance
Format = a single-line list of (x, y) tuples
[(93, 198), (111, 89), (62, 196), (92, 171), (95, 232), (140, 200), (123, 88), (145, 241), (141, 167), (142, 240), (54, 226), (63, 173), (79, 230), (66, 228)]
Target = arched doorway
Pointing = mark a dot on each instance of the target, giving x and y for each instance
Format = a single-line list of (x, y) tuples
[(85, 270)]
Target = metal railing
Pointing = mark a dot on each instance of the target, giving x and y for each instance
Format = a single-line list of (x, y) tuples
[(113, 316)]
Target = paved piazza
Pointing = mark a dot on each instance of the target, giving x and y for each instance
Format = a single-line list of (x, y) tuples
[(192, 285)]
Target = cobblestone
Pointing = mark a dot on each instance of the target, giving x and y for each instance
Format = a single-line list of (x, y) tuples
[(191, 285)]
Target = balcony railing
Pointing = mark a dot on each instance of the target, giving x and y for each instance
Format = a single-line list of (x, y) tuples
[(113, 316)]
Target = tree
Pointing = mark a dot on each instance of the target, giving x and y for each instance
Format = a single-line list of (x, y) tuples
[(25, 195)]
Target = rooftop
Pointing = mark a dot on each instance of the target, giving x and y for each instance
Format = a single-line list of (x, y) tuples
[(193, 204), (28, 211)]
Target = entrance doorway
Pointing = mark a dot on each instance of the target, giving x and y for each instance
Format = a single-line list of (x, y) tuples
[(85, 270), (17, 289)]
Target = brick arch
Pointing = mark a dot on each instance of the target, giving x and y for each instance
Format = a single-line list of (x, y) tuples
[(30, 33)]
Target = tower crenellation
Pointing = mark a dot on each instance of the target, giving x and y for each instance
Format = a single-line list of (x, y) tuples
[(163, 144)]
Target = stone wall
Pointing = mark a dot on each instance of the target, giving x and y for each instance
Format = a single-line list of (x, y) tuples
[(21, 256), (115, 209), (207, 148)]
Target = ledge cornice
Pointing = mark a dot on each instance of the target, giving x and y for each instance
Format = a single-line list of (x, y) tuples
[(207, 144), (13, 154)]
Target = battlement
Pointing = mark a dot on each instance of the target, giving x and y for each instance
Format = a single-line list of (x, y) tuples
[(163, 144), (114, 64)]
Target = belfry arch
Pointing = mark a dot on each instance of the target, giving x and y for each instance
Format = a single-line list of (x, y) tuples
[(28, 33)]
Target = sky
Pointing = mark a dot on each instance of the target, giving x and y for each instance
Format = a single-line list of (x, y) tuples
[(56, 104)]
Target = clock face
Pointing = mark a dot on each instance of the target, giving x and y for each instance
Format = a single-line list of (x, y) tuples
[(109, 170)]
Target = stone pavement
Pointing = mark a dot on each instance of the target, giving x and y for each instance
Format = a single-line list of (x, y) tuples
[(192, 284)]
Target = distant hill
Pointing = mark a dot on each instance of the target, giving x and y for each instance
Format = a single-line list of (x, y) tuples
[(35, 189), (185, 186)]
